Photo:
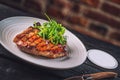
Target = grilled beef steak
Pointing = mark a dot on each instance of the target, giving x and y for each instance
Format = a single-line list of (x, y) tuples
[(30, 42)]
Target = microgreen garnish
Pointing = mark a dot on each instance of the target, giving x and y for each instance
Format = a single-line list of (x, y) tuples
[(51, 31)]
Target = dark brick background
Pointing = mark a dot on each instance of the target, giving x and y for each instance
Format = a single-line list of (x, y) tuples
[(97, 18)]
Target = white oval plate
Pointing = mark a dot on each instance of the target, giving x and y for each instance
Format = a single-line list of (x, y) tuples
[(102, 59), (10, 27)]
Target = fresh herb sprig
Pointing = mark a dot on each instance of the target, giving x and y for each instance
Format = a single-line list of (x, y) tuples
[(51, 31)]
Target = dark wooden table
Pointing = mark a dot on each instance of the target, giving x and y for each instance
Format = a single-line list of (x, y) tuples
[(13, 68)]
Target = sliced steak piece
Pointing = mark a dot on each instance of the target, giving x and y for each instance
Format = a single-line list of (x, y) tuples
[(30, 42)]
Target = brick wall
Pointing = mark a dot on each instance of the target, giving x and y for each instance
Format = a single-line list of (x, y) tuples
[(97, 18)]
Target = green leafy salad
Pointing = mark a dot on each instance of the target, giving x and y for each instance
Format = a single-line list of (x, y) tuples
[(52, 31)]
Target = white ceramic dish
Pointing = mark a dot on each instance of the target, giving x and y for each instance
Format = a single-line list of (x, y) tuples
[(102, 59), (10, 27)]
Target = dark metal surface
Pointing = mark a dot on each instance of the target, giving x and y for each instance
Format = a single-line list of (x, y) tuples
[(13, 68)]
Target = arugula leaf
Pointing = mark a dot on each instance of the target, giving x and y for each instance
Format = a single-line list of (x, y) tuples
[(52, 31)]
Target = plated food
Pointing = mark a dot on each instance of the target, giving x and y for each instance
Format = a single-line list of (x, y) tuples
[(12, 26), (43, 40)]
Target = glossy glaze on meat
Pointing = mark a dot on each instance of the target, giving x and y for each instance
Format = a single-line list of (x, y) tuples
[(30, 42)]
